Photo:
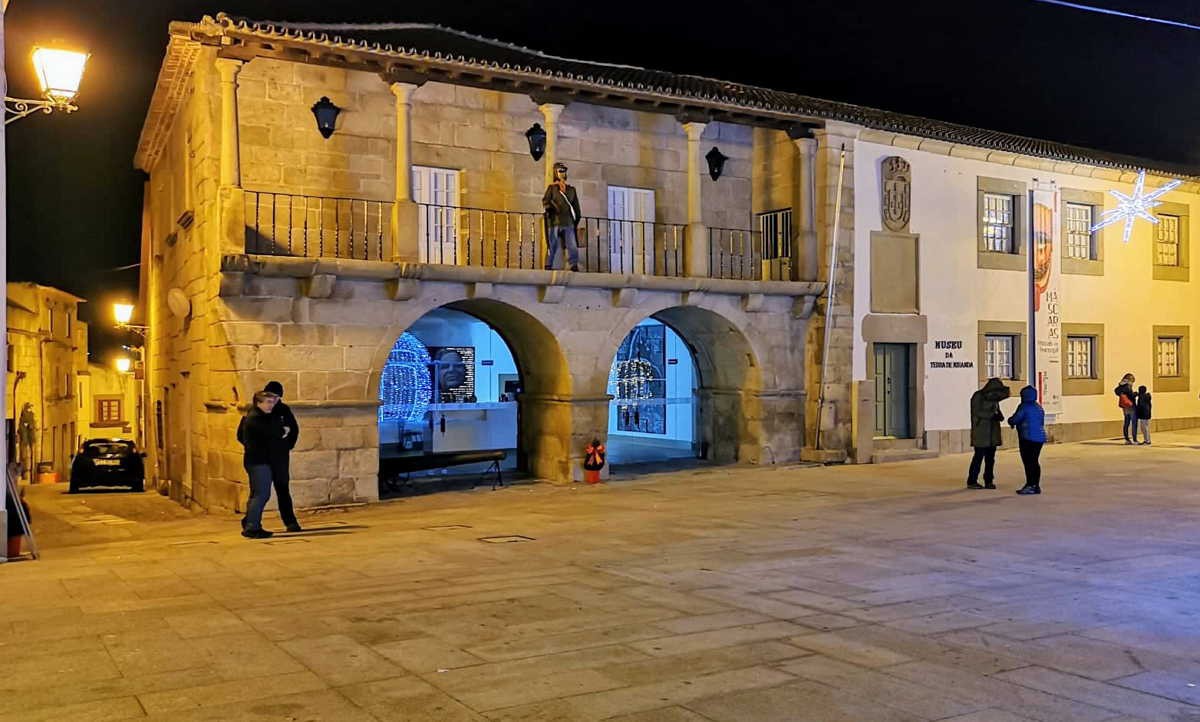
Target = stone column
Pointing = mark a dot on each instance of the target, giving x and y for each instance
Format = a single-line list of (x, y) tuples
[(805, 261), (696, 252), (231, 174), (405, 229), (550, 115), (556, 428), (837, 415)]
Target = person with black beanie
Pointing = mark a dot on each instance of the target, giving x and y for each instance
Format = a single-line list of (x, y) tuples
[(280, 453)]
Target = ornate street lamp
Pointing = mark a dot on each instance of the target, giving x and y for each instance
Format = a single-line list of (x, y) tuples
[(716, 162), (326, 114), (124, 364), (59, 74), (123, 314), (536, 135)]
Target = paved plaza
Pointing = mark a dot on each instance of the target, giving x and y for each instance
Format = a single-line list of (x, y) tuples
[(843, 593)]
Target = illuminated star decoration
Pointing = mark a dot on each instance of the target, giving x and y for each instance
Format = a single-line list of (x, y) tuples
[(406, 388), (1138, 205)]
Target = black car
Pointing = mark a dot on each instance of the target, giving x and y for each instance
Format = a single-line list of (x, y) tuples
[(108, 462)]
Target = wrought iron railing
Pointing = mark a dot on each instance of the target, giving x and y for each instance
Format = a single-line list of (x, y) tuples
[(458, 235), (285, 224)]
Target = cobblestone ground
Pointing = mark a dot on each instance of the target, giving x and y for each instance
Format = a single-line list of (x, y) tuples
[(855, 593)]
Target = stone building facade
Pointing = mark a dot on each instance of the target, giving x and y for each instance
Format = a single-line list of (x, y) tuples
[(47, 357), (273, 251)]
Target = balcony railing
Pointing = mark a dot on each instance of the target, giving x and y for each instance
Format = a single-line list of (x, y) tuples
[(457, 235), (283, 224)]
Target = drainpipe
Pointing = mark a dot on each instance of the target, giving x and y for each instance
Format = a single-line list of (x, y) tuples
[(187, 435)]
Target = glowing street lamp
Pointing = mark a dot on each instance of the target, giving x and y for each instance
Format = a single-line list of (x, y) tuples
[(123, 313), (59, 73), (124, 364)]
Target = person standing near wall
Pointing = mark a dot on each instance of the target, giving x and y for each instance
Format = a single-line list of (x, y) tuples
[(1127, 401), (985, 432), (1143, 407), (259, 432), (1030, 423), (561, 205), (280, 454)]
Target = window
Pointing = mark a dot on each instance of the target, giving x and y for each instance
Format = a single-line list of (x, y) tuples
[(631, 230), (108, 411), (999, 354), (1081, 352), (1166, 241), (1168, 357), (436, 190), (1080, 239), (999, 223), (776, 229)]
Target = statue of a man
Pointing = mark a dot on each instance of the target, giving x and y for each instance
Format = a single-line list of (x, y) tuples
[(561, 205)]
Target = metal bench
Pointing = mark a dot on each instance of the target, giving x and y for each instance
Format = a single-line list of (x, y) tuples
[(396, 471)]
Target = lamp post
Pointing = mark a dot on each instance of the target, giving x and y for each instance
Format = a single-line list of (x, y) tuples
[(123, 315), (59, 74)]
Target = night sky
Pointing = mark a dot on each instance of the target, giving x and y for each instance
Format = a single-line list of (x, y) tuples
[(74, 203)]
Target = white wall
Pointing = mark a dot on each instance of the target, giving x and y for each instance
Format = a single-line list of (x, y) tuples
[(955, 294)]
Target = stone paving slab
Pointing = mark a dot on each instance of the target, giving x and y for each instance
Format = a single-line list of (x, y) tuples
[(840, 593)]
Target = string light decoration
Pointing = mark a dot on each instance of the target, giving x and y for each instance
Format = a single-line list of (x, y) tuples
[(632, 380), (1138, 205), (405, 388)]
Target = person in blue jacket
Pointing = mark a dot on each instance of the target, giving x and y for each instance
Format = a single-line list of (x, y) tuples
[(1030, 423)]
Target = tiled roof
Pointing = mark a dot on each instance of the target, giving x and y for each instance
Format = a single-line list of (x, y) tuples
[(433, 43)]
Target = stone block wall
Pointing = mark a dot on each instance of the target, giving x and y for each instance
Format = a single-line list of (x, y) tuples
[(480, 133)]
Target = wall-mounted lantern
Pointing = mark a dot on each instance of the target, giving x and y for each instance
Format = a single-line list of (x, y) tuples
[(536, 136), (326, 114), (716, 162)]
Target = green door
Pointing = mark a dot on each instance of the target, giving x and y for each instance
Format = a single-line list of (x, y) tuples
[(893, 390)]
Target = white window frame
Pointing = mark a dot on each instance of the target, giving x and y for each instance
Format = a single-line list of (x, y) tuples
[(1166, 359), (998, 362), (438, 190), (631, 229), (1081, 357), (1081, 241), (1166, 240), (999, 223)]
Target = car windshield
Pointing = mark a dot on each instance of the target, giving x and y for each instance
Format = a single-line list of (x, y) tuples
[(105, 449)]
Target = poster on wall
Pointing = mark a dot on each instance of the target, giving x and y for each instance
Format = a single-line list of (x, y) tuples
[(1046, 270), (452, 373), (640, 375)]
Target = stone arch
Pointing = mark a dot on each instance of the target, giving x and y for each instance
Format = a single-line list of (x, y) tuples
[(730, 377), (544, 436)]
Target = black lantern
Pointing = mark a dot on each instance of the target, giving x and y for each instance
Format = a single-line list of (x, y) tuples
[(326, 114), (716, 162), (536, 136)]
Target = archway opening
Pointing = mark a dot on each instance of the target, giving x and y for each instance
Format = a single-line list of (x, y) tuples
[(653, 382), (448, 393)]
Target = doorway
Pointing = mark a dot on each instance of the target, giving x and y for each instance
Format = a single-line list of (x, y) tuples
[(631, 230), (894, 390)]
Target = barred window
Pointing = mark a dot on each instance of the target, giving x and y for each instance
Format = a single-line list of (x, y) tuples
[(1168, 356), (1080, 353), (999, 353), (1166, 241), (1080, 242), (776, 229), (108, 410), (998, 223)]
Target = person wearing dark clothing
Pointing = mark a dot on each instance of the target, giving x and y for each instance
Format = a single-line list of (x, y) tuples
[(260, 433), (985, 432), (1143, 408), (280, 453), (561, 205), (1030, 422), (1127, 401)]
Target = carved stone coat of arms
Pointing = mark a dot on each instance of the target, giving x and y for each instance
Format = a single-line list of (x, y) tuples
[(897, 194)]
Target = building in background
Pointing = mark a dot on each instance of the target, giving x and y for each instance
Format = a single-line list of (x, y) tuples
[(48, 350), (110, 409), (331, 211)]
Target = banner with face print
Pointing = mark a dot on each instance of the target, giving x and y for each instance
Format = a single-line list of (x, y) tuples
[(1045, 272)]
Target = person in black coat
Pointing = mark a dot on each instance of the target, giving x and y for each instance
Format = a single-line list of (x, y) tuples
[(280, 473), (1127, 401), (562, 214), (1143, 407), (260, 432)]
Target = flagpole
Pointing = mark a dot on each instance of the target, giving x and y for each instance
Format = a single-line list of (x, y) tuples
[(829, 297)]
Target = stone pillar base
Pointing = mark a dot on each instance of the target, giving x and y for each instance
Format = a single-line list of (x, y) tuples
[(406, 232)]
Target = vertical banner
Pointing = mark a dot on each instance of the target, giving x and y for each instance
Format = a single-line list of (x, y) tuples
[(1045, 272)]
